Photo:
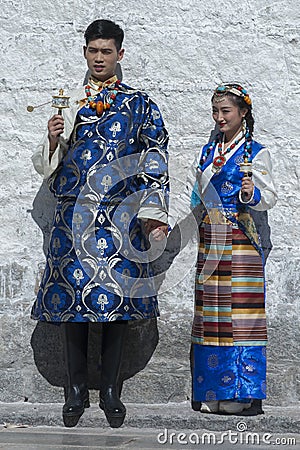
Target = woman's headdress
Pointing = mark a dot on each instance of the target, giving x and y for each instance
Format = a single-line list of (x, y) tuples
[(235, 89)]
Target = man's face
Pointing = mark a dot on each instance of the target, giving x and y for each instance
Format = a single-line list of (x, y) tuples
[(102, 58)]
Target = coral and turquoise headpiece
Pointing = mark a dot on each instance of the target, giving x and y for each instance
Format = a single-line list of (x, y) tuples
[(235, 89)]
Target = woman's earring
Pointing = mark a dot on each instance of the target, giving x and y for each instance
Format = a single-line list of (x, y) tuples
[(244, 125)]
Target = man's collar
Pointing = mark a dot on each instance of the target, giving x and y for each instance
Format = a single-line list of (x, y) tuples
[(99, 85)]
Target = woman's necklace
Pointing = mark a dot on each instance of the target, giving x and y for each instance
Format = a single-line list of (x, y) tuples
[(101, 106), (220, 159)]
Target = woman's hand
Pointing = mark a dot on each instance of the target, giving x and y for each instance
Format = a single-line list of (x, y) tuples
[(55, 129), (158, 229), (247, 188)]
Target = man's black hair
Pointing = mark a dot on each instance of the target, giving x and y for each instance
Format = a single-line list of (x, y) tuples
[(104, 29)]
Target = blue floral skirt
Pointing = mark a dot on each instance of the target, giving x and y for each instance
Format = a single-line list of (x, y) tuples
[(228, 373)]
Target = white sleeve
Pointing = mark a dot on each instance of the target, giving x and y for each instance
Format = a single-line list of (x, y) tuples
[(155, 213), (40, 158), (263, 180)]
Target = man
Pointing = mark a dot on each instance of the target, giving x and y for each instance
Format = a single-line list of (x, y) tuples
[(105, 160)]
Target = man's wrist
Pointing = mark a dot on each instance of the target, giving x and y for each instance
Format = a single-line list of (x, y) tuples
[(52, 145)]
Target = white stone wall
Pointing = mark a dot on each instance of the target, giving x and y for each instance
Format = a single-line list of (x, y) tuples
[(177, 51)]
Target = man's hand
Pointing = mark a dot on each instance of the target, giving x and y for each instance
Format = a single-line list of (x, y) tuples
[(55, 129), (158, 229)]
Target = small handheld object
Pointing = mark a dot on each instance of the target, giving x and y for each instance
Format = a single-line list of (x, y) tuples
[(59, 101), (246, 168)]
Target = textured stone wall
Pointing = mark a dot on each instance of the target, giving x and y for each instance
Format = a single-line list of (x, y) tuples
[(177, 52)]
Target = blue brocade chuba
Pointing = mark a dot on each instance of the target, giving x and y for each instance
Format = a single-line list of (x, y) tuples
[(97, 267)]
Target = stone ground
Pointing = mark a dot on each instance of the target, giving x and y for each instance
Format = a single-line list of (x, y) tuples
[(30, 426)]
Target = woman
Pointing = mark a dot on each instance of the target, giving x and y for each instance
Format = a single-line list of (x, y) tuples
[(229, 327)]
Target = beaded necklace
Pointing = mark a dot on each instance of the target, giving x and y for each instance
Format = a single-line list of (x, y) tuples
[(101, 106), (220, 159)]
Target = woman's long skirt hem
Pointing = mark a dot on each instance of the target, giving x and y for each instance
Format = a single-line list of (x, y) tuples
[(228, 373)]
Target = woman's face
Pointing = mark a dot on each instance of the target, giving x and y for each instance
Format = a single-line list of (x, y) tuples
[(228, 116)]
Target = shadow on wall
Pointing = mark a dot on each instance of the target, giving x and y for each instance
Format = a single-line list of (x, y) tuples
[(46, 342)]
